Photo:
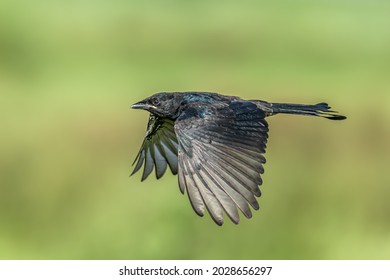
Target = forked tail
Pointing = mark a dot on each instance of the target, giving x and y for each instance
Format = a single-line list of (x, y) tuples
[(319, 110)]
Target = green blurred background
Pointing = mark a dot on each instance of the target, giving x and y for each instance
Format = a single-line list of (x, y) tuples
[(69, 70)]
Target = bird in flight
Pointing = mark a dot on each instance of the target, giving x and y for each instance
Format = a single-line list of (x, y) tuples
[(215, 144)]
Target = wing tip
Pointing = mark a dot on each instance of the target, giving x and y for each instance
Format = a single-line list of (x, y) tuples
[(133, 172), (219, 222)]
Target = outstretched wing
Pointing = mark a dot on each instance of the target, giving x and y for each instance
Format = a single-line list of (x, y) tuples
[(158, 149), (221, 156)]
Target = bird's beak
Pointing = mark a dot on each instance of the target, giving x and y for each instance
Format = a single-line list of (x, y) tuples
[(140, 105)]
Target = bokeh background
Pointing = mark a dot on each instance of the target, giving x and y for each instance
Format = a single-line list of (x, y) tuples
[(69, 71)]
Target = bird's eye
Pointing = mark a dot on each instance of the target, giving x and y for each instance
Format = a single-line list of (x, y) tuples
[(155, 101)]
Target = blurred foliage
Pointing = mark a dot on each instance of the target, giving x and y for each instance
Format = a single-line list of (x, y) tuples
[(69, 70)]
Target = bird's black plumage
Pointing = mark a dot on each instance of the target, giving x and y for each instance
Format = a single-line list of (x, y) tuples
[(216, 145)]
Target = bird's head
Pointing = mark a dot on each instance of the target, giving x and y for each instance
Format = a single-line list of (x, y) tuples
[(163, 104)]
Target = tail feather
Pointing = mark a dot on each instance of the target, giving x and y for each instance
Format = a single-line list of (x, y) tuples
[(319, 110)]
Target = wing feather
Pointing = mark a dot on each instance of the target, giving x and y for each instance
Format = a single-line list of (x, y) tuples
[(148, 168), (193, 191), (221, 158), (235, 196), (160, 161), (140, 157), (159, 148)]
